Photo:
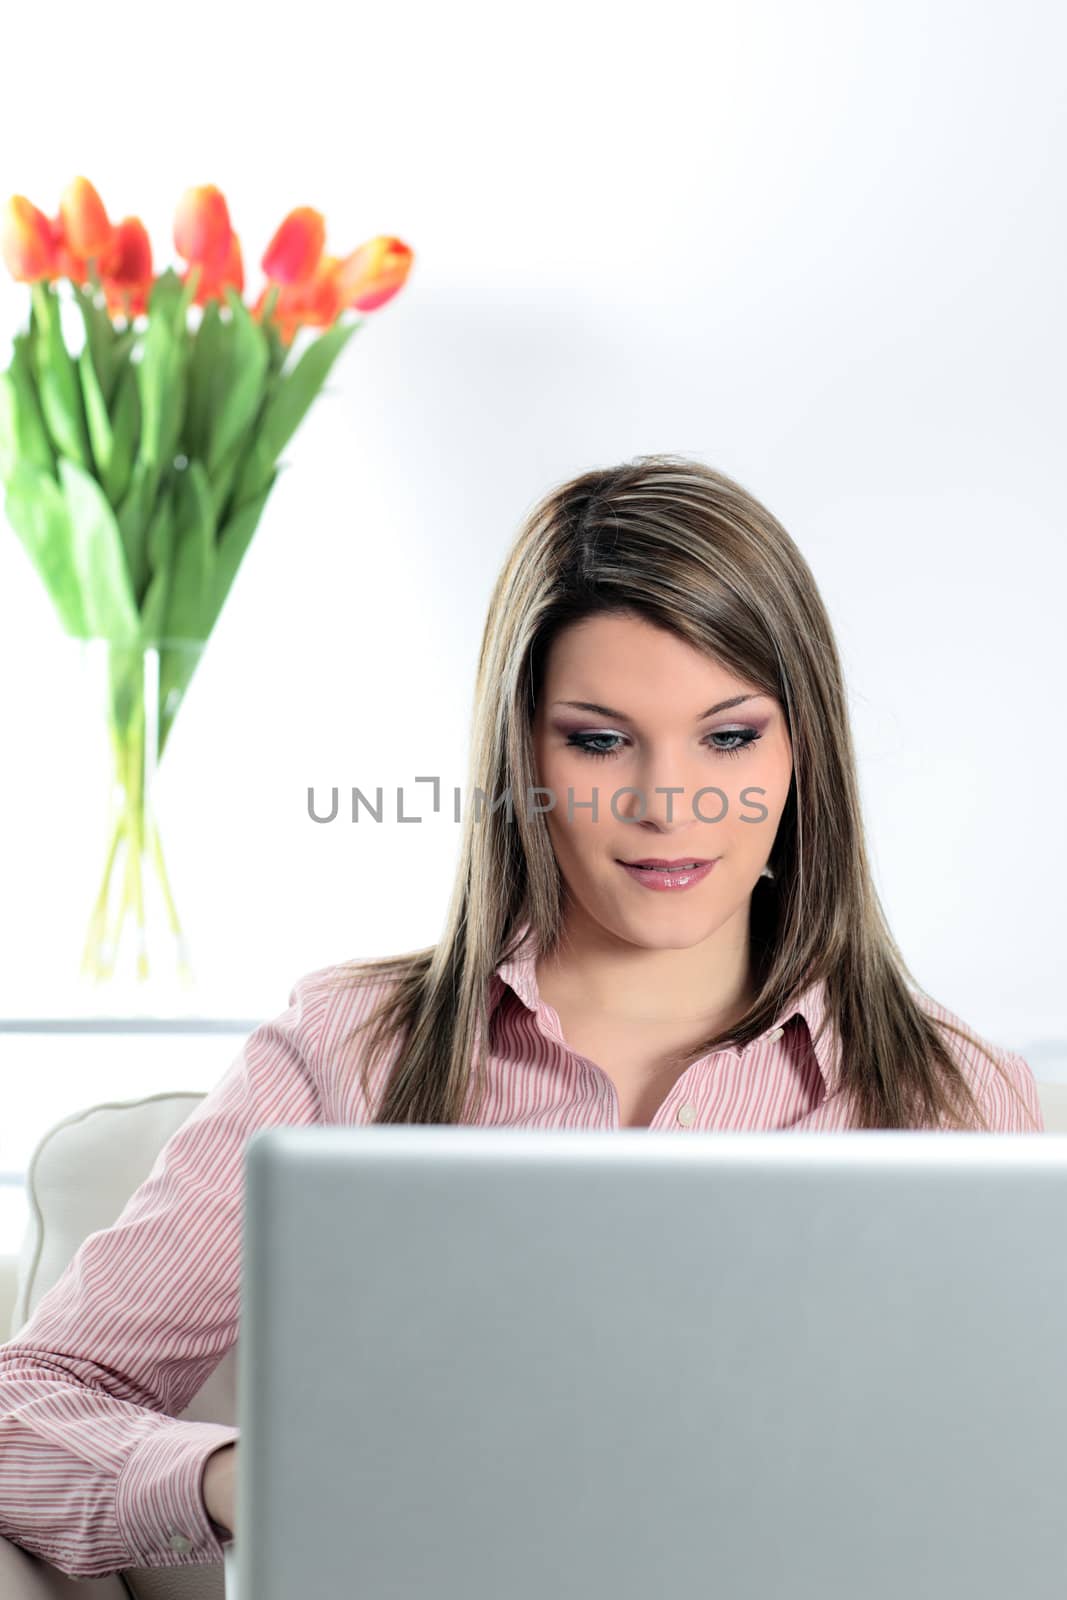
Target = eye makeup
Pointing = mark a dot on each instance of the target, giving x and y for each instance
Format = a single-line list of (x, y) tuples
[(746, 739)]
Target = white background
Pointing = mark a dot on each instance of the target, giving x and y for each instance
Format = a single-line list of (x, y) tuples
[(818, 246)]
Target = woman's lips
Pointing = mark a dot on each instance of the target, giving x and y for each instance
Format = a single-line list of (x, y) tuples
[(667, 877), (662, 861)]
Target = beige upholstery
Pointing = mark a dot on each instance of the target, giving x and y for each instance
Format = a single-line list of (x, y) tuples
[(1053, 1097), (80, 1177)]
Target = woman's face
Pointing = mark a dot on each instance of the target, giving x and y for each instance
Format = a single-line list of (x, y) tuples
[(649, 724)]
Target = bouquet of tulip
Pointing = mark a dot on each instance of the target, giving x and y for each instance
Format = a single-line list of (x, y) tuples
[(136, 468)]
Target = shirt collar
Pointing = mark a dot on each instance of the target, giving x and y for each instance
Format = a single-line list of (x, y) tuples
[(519, 973)]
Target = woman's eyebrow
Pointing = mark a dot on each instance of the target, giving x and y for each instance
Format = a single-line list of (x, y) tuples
[(620, 716)]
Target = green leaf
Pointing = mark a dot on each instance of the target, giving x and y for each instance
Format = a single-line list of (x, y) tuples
[(40, 516), (162, 385), (222, 483), (176, 668), (31, 441), (124, 343), (9, 426), (57, 381), (100, 437), (278, 350), (99, 559), (236, 400), (169, 300), (256, 466), (101, 340), (287, 405), (154, 609), (159, 540), (233, 541), (125, 432), (207, 360), (187, 614), (159, 549), (133, 516)]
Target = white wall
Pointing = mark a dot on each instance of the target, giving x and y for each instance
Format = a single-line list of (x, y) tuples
[(819, 246)]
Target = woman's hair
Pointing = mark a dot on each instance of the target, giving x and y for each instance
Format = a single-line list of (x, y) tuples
[(671, 541)]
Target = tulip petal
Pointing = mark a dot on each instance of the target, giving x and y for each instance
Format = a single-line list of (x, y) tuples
[(86, 227), (26, 241), (294, 251), (374, 272), (202, 227)]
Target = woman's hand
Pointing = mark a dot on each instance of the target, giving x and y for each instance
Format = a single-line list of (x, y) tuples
[(218, 1485)]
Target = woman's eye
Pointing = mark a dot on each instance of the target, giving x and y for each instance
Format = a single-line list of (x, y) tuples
[(592, 744), (584, 743), (747, 736)]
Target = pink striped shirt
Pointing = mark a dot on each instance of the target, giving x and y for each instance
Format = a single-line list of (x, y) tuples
[(97, 1470)]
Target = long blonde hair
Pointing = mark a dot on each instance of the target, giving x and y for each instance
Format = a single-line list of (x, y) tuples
[(672, 541)]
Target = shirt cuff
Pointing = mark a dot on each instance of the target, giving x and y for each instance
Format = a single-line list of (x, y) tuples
[(159, 1502)]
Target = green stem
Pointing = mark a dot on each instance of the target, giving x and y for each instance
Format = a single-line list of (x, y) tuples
[(108, 964), (129, 746), (97, 922), (137, 842), (99, 957), (156, 845), (133, 825)]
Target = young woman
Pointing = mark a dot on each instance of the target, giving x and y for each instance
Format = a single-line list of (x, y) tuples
[(658, 683), (656, 636)]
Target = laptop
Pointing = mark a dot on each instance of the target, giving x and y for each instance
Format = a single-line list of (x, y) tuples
[(479, 1363)]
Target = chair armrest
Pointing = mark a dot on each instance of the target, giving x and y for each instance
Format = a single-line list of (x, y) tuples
[(9, 1279), (25, 1577)]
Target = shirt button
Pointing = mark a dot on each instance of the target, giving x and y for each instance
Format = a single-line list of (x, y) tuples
[(687, 1113), (180, 1543), (776, 1033)]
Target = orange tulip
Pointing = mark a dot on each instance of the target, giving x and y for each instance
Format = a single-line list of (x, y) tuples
[(26, 241), (364, 280), (126, 271), (85, 222), (65, 263), (296, 248), (202, 229), (318, 301), (325, 298), (372, 274), (212, 285), (315, 303)]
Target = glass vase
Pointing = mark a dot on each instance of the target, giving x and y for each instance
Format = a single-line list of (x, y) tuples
[(135, 930)]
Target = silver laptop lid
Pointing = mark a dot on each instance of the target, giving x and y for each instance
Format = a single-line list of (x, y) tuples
[(479, 1363)]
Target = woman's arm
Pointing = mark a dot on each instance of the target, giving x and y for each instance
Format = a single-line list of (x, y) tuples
[(218, 1490), (97, 1470)]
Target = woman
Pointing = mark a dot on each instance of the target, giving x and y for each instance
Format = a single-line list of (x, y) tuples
[(633, 601), (658, 681)]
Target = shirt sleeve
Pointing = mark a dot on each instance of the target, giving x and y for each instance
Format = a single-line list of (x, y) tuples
[(97, 1472), (1001, 1100)]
